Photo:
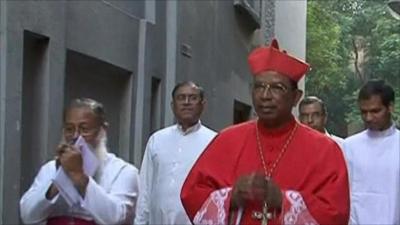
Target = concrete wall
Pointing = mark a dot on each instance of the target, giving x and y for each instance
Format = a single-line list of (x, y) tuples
[(53, 51), (15, 19), (128, 55), (215, 55), (290, 28)]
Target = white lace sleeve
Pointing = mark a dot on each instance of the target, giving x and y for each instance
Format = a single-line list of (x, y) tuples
[(295, 210), (215, 209)]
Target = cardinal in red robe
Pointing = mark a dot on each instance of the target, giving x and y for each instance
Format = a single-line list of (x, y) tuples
[(271, 170)]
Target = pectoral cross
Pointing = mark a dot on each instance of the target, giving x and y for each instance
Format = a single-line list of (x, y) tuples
[(264, 216)]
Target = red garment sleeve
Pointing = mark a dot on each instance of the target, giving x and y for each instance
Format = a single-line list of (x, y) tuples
[(327, 196), (212, 171)]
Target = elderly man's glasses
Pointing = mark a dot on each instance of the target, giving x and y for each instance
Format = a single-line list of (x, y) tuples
[(312, 116), (70, 130), (181, 98), (275, 89)]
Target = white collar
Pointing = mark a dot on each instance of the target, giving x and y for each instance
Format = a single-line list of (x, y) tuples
[(382, 133), (189, 130)]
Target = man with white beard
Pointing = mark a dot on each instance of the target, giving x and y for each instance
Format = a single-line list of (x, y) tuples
[(107, 197)]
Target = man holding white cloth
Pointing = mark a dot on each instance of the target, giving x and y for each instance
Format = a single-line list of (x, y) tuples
[(106, 197)]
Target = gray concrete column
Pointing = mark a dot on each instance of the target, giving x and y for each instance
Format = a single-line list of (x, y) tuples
[(170, 78), (3, 63), (140, 92), (10, 97), (290, 29)]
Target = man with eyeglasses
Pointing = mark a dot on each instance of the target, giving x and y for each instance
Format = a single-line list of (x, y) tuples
[(272, 170), (107, 197), (169, 155), (313, 113)]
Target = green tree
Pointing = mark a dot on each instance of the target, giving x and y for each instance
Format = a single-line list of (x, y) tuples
[(329, 59), (349, 42)]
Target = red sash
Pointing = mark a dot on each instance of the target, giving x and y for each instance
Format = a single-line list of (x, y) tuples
[(67, 220)]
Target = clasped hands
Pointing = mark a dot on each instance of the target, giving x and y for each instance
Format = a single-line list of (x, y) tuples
[(256, 187)]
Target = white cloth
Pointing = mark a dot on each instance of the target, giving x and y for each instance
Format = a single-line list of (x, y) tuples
[(170, 154), (108, 200), (337, 139), (374, 167), (62, 181)]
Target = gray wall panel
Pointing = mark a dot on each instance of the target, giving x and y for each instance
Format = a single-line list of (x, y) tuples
[(219, 44), (102, 31), (111, 50)]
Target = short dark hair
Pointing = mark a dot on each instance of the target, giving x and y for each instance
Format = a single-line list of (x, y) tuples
[(377, 87), (311, 100), (189, 83), (96, 107)]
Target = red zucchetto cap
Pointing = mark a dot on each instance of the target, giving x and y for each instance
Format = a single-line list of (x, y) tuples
[(271, 58)]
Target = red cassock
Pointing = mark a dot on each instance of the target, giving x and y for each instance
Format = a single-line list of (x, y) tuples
[(312, 175)]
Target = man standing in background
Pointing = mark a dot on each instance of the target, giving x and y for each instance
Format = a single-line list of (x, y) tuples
[(170, 154), (373, 157), (313, 113)]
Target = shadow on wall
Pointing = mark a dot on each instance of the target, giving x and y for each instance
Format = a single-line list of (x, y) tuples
[(90, 77)]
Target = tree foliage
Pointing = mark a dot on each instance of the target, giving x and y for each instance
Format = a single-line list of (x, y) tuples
[(349, 42)]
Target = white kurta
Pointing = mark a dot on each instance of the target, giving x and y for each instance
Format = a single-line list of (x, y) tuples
[(374, 167), (109, 200), (170, 154)]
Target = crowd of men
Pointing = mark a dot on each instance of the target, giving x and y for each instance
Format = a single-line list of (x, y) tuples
[(275, 169)]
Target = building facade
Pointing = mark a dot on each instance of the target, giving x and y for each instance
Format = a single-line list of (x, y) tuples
[(128, 55)]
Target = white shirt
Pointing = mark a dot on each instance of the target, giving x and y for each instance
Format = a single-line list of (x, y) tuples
[(170, 154), (109, 200), (337, 139), (374, 168)]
